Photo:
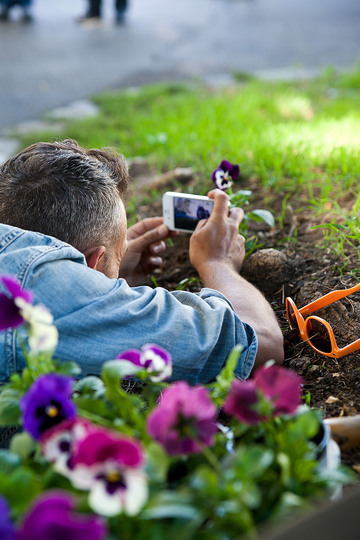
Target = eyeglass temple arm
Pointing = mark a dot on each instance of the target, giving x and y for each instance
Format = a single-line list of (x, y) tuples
[(328, 299)]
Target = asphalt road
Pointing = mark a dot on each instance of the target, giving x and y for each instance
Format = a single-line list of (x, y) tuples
[(54, 60)]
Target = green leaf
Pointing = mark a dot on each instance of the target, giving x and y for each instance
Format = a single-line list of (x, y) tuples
[(90, 385), (19, 488), (114, 371), (262, 215), (157, 462), (23, 445), (171, 505), (226, 376), (9, 407), (8, 461), (71, 369)]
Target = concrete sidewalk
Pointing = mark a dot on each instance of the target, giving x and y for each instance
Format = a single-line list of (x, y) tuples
[(54, 61)]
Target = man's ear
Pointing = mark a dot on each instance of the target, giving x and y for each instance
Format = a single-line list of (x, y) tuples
[(94, 255)]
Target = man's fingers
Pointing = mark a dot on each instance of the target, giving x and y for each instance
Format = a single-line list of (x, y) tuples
[(157, 248), (236, 215), (154, 236), (221, 204), (221, 207)]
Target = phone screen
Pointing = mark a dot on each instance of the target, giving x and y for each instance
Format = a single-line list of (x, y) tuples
[(188, 212)]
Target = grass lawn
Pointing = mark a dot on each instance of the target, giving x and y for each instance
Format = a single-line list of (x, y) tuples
[(292, 137)]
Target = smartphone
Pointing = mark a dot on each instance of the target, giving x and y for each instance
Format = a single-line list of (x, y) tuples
[(182, 212)]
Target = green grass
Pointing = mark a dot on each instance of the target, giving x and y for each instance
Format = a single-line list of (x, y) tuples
[(291, 136)]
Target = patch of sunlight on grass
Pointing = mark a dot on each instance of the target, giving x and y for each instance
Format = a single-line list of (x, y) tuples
[(295, 106), (321, 137)]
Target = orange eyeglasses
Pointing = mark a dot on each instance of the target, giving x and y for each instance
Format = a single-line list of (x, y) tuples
[(316, 331)]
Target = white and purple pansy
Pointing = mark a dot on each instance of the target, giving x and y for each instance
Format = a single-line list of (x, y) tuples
[(152, 358), (224, 176), (58, 444), (108, 465)]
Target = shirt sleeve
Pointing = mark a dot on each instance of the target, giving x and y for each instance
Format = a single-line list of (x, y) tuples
[(98, 318)]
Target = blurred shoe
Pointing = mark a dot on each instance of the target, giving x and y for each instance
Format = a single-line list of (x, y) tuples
[(4, 14), (27, 17), (120, 17), (89, 16)]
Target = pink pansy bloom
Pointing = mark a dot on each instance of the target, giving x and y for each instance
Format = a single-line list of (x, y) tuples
[(107, 464), (154, 359), (241, 402), (281, 386), (184, 420), (59, 443), (10, 315)]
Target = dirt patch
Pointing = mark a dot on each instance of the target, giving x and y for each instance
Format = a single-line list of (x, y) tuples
[(291, 263)]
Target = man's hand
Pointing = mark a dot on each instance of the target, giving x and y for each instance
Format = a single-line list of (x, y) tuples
[(145, 243), (217, 239)]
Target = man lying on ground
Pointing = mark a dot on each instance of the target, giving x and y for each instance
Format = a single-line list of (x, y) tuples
[(63, 235)]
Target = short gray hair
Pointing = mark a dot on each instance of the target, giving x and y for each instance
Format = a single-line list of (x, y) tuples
[(65, 191)]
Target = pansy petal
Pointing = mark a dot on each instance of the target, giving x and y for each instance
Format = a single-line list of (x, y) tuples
[(9, 313), (132, 355), (15, 289)]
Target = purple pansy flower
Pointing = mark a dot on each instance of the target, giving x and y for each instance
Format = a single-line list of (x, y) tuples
[(52, 517), (47, 403), (6, 526), (184, 420), (108, 465), (241, 402), (10, 316), (281, 386), (225, 174), (154, 359)]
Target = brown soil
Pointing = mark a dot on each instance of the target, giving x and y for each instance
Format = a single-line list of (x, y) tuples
[(290, 262)]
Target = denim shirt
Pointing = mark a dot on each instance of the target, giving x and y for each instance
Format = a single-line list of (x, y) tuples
[(98, 318)]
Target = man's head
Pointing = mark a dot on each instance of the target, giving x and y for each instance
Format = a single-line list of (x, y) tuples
[(64, 191)]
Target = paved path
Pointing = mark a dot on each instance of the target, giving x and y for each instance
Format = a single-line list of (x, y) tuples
[(54, 61)]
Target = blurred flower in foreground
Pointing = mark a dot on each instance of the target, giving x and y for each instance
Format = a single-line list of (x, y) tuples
[(43, 335), (10, 314), (107, 464), (184, 420), (281, 386), (58, 443), (52, 517), (6, 526), (225, 174), (241, 400), (154, 359), (47, 403)]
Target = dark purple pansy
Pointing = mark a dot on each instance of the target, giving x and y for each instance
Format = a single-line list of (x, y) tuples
[(225, 175), (281, 386), (154, 359), (52, 517), (184, 420), (9, 313), (241, 402), (47, 403), (6, 526)]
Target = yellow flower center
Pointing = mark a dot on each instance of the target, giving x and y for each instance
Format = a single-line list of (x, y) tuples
[(113, 476), (52, 411)]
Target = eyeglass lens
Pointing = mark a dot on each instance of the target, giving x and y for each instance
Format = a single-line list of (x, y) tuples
[(318, 335)]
